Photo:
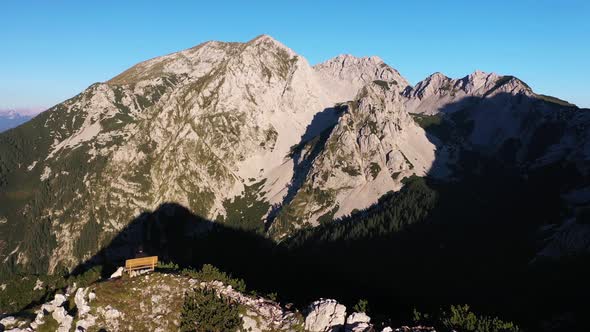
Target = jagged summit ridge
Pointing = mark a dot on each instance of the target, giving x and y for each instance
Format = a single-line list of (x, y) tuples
[(198, 60), (373, 146), (208, 127), (242, 133), (438, 91), (345, 74)]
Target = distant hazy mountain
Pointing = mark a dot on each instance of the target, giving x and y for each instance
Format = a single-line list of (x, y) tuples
[(251, 136), (12, 118)]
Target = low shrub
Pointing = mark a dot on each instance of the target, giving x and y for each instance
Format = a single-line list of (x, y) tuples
[(206, 311)]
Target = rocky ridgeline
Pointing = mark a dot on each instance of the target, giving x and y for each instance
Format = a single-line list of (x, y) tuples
[(214, 127), (58, 310), (153, 302)]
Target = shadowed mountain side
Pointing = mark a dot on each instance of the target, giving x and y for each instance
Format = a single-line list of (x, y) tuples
[(466, 240), (165, 232), (315, 136), (518, 130), (323, 120)]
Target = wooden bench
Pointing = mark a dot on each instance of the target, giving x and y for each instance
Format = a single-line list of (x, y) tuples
[(142, 263)]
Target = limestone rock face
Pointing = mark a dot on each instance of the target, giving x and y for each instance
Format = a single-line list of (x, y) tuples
[(80, 300), (325, 316), (62, 318), (58, 300), (500, 117), (439, 93), (253, 127), (496, 113), (345, 74), (200, 127), (7, 322), (373, 146)]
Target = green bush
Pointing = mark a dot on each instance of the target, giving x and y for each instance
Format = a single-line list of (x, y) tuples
[(361, 306), (211, 273), (167, 266), (87, 278), (460, 317), (205, 311)]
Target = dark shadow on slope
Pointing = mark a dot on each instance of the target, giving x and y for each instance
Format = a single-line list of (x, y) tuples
[(321, 121), (304, 153), (432, 244)]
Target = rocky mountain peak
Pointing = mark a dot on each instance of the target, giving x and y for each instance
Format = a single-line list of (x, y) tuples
[(477, 80), (203, 59), (346, 74), (265, 39), (225, 127), (372, 147), (435, 83), (438, 92), (346, 66), (437, 76), (268, 43)]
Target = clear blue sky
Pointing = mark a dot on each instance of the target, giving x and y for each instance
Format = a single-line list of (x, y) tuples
[(51, 50)]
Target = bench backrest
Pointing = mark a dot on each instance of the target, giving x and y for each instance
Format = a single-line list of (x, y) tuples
[(143, 262)]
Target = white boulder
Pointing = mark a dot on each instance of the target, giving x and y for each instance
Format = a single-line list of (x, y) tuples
[(325, 315), (358, 322), (80, 300), (7, 321), (63, 319), (58, 300), (118, 273), (86, 323)]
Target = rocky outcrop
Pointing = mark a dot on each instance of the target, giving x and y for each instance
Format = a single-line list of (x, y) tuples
[(156, 305), (261, 314), (345, 74), (8, 322), (81, 303), (374, 145), (62, 318), (358, 322), (325, 315), (56, 310)]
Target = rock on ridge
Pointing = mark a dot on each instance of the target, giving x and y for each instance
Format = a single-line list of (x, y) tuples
[(439, 93), (345, 74), (358, 322), (325, 315), (374, 145)]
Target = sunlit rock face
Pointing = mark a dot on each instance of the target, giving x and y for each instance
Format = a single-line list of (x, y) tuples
[(250, 134)]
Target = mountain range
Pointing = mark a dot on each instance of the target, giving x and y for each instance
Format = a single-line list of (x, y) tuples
[(10, 118), (251, 135)]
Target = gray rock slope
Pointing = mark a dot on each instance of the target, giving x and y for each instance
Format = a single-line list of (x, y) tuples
[(251, 135)]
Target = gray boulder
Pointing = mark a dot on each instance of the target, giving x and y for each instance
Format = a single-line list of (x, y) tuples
[(358, 322), (80, 300), (325, 315)]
